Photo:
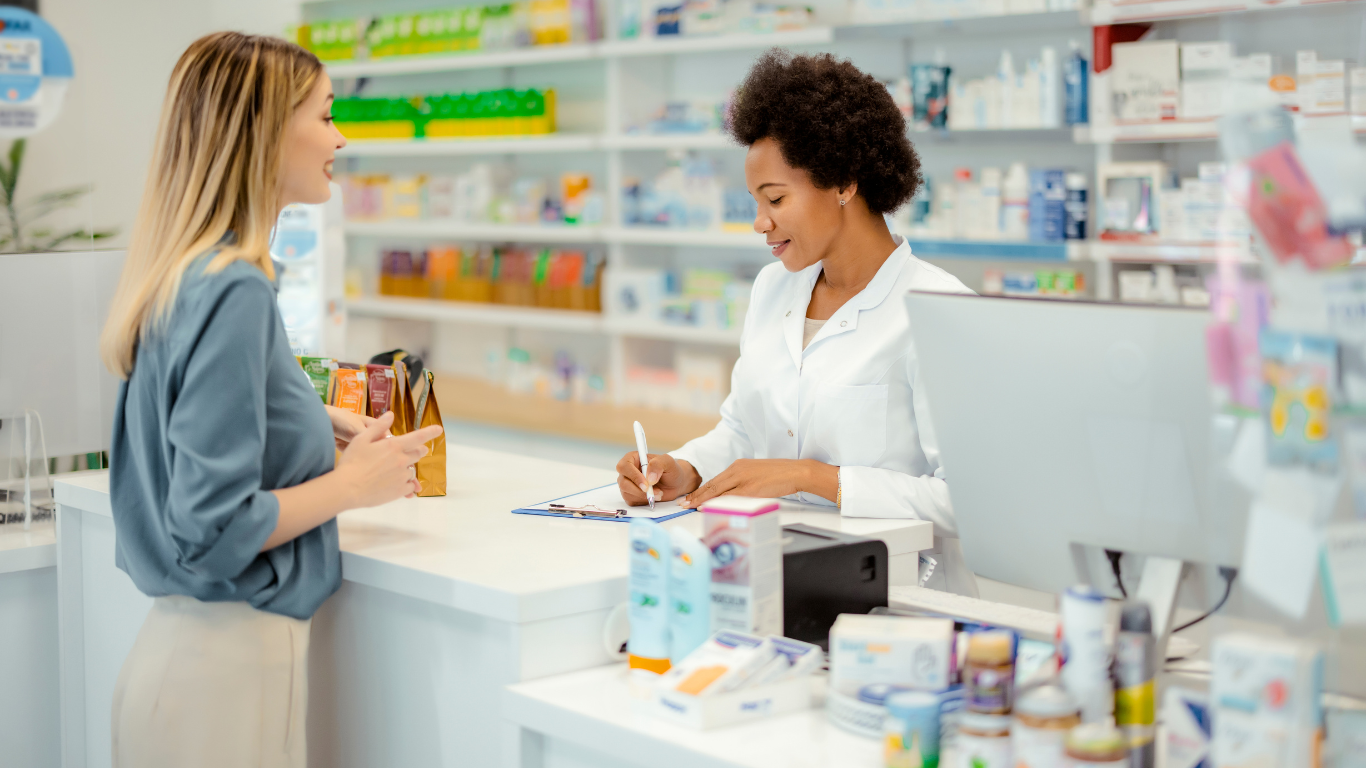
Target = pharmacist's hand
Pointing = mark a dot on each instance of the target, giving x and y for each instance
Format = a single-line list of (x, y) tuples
[(669, 477), (378, 468), (346, 425), (760, 478)]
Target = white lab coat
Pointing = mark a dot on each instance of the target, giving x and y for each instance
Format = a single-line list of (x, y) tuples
[(852, 398)]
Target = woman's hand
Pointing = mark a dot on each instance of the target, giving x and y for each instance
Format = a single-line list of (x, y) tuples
[(346, 425), (378, 468), (669, 477), (768, 479)]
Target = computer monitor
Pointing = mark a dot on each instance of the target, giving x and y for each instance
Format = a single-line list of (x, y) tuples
[(1063, 422)]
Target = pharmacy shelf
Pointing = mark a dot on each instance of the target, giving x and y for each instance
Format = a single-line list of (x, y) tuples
[(1021, 135), (412, 65), (571, 52), (1166, 252), (483, 145), (896, 27), (624, 327), (482, 401), (438, 310), (496, 233), (570, 321), (668, 236), (1180, 130), (672, 44), (1103, 12), (662, 141), (996, 250), (1140, 133)]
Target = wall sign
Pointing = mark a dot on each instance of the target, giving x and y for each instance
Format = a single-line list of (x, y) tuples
[(35, 70)]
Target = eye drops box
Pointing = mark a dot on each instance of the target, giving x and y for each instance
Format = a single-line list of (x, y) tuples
[(745, 540), (895, 650)]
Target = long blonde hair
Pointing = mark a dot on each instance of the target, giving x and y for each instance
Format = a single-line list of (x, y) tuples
[(215, 168)]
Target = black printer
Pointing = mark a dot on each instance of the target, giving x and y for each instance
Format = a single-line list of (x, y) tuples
[(825, 574)]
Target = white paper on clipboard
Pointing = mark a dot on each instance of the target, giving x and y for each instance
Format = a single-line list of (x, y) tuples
[(607, 497)]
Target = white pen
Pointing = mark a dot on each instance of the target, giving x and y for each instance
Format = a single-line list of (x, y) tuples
[(644, 452)]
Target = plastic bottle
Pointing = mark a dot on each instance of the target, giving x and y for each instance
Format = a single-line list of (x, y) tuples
[(1005, 75), (1075, 209), (1050, 96), (1135, 670), (689, 594), (1015, 203), (1096, 745), (984, 741), (1043, 716), (990, 672), (911, 730), (648, 646), (1076, 76), (991, 203)]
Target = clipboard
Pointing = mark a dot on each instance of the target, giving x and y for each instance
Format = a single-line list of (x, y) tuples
[(604, 503)]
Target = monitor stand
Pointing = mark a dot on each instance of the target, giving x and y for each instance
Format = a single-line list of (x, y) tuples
[(1158, 586)]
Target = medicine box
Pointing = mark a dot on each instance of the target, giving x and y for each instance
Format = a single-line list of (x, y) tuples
[(1265, 694), (735, 707), (746, 545), (895, 650), (1145, 81)]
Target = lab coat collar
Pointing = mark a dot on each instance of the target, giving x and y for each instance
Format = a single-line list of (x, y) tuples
[(846, 317)]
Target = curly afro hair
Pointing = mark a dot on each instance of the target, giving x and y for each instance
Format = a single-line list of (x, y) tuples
[(832, 121)]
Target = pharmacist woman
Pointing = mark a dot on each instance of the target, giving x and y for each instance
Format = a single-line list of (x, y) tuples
[(222, 471), (826, 403)]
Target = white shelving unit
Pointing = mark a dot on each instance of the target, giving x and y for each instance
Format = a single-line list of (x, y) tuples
[(621, 62)]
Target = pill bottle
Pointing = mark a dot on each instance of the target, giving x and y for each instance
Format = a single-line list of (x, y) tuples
[(984, 741), (1043, 716), (911, 730), (1096, 745), (990, 671)]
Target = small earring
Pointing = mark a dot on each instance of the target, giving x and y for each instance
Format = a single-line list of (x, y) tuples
[(842, 202)]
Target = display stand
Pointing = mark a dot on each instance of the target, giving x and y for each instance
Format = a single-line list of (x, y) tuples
[(31, 422)]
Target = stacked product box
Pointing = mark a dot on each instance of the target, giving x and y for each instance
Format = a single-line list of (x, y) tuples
[(450, 30), (555, 279), (504, 112), (483, 194)]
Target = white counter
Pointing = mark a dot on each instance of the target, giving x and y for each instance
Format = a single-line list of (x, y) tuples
[(444, 602), (587, 719), (29, 722)]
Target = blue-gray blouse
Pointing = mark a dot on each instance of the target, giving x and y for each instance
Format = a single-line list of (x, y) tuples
[(216, 414)]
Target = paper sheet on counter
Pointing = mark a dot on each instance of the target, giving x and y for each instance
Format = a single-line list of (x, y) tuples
[(609, 497)]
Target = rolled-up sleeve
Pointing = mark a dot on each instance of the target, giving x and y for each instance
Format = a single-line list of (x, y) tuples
[(217, 514), (872, 492)]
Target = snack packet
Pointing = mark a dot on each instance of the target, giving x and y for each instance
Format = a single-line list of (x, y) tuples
[(381, 381), (348, 390), (319, 372)]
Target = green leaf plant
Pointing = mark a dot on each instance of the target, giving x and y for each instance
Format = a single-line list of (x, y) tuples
[(21, 228)]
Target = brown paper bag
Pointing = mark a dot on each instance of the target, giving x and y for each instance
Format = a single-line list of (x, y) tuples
[(431, 469)]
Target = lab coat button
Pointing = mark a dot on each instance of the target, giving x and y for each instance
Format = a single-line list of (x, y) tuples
[(843, 323), (789, 433)]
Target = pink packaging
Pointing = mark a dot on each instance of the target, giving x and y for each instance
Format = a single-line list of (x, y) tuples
[(745, 539), (1287, 210)]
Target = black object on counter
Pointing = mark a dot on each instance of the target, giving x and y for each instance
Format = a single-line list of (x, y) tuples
[(825, 574)]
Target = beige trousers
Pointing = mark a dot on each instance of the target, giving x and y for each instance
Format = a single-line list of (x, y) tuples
[(213, 685)]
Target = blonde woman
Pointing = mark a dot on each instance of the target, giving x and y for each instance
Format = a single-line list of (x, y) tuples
[(222, 476)]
